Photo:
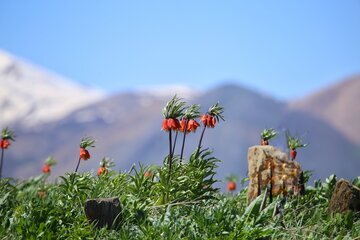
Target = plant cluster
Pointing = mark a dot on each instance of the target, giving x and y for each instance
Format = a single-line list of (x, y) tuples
[(266, 135), (49, 162), (58, 214), (178, 200), (7, 135)]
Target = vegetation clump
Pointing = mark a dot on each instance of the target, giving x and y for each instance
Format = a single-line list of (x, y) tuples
[(177, 200)]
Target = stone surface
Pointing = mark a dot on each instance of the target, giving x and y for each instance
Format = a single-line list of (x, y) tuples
[(267, 164), (103, 211), (345, 197)]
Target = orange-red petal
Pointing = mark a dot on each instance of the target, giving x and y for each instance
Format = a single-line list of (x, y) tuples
[(84, 154), (46, 168), (165, 126), (4, 143)]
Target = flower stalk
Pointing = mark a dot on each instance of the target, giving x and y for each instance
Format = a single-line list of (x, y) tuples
[(6, 136), (189, 124), (209, 119), (293, 144), (84, 153), (171, 112)]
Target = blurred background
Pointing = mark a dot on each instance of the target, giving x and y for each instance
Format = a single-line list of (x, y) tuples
[(70, 69)]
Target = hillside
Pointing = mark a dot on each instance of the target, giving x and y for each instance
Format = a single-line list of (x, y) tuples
[(127, 128), (51, 115), (338, 105)]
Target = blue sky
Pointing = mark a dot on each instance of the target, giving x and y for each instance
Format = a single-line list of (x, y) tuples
[(284, 48)]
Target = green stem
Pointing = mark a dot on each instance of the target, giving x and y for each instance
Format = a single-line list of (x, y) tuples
[(183, 143), (173, 149), (170, 153), (200, 141), (78, 165), (1, 163)]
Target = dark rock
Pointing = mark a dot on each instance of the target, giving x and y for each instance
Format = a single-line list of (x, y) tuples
[(103, 212), (345, 197)]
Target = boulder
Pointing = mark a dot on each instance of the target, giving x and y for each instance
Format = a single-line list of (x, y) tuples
[(345, 197), (103, 211), (269, 166)]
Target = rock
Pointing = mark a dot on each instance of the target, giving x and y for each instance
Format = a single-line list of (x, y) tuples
[(103, 211), (267, 164), (345, 197)]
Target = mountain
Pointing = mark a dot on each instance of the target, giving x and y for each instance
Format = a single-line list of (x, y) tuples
[(50, 116), (30, 95), (127, 128), (338, 105)]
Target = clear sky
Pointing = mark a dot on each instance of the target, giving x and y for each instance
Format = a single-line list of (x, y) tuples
[(284, 48)]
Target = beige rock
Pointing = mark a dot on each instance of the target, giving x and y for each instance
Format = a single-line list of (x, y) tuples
[(284, 175)]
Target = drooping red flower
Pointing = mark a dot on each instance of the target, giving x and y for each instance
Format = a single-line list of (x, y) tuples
[(182, 126), (101, 171), (193, 125), (231, 186), (170, 124), (147, 174), (46, 168), (4, 143), (174, 124), (293, 154), (84, 154), (208, 120), (165, 127)]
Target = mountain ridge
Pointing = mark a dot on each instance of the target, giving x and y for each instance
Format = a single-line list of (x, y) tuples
[(127, 128)]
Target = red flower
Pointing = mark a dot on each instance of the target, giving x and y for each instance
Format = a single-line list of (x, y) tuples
[(4, 143), (170, 124), (193, 125), (147, 174), (101, 170), (231, 186), (84, 154), (165, 127), (41, 194), (293, 154), (46, 168), (208, 120), (182, 125)]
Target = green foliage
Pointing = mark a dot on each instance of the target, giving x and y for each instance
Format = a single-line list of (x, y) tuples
[(294, 142), (187, 207), (174, 108), (268, 134), (192, 112), (8, 134), (87, 142), (216, 111), (50, 161)]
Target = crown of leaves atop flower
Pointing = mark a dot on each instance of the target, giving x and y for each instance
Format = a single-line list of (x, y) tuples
[(295, 142), (50, 161), (232, 178), (216, 111), (268, 134), (174, 108), (87, 142), (8, 134), (192, 112), (106, 162)]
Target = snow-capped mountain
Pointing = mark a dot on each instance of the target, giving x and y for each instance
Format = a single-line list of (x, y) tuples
[(30, 95)]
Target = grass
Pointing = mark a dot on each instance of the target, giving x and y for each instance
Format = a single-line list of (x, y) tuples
[(187, 207)]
